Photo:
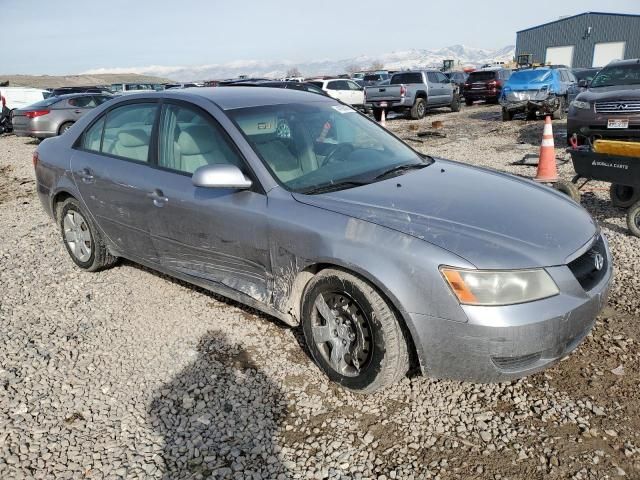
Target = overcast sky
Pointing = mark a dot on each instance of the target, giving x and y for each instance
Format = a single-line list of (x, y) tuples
[(70, 36)]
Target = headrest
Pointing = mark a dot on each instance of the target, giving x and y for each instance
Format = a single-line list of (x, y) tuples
[(196, 139), (258, 124), (133, 138)]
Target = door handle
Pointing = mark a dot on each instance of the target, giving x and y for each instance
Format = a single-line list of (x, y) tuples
[(86, 175), (159, 200), (78, 111)]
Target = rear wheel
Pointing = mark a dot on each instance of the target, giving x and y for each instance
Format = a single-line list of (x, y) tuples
[(633, 219), (82, 239), (352, 333), (623, 196), (64, 127), (507, 116), (377, 114), (419, 109)]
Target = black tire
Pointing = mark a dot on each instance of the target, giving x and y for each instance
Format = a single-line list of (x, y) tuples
[(568, 188), (369, 327), (507, 115), (468, 102), (419, 109), (455, 103), (633, 219), (99, 257), (377, 114), (559, 113), (623, 196), (64, 127), (531, 115)]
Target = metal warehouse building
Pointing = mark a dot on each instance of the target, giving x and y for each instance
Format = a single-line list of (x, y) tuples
[(590, 39)]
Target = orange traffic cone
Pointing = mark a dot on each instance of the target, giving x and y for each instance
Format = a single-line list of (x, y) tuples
[(547, 169), (383, 120)]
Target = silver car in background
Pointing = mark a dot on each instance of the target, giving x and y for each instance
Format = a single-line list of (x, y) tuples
[(296, 204), (54, 115)]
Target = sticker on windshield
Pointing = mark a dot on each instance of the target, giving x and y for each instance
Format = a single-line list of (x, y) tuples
[(343, 109)]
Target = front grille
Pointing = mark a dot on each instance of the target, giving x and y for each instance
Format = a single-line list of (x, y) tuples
[(516, 364), (585, 267), (622, 108)]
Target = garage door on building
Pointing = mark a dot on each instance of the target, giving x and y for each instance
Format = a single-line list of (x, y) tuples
[(560, 55), (604, 53)]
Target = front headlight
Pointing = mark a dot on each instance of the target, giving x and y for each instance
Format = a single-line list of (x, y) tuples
[(581, 105), (493, 287)]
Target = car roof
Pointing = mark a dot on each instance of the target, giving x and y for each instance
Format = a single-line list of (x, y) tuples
[(79, 94), (630, 61), (230, 98)]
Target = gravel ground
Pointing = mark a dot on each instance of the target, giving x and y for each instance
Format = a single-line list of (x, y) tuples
[(127, 373)]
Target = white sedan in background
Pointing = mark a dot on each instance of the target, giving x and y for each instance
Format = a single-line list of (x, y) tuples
[(343, 89)]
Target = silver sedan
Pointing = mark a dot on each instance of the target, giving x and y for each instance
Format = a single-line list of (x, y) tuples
[(54, 115), (295, 204)]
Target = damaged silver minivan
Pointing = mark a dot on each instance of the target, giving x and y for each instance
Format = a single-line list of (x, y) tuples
[(295, 204)]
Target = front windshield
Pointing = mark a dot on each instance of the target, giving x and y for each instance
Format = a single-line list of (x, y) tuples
[(530, 76), (617, 75), (312, 145)]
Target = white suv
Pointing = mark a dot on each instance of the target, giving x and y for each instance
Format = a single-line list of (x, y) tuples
[(343, 89)]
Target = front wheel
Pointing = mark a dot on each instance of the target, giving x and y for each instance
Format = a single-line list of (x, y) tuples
[(352, 333), (558, 113), (455, 103)]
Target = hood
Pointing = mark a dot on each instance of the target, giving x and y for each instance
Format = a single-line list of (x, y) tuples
[(490, 219), (613, 93)]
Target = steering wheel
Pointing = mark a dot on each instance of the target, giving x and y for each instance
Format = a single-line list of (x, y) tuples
[(338, 154)]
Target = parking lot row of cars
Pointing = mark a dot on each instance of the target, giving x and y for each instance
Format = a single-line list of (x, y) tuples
[(545, 90)]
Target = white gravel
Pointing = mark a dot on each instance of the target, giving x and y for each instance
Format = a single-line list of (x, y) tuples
[(130, 374)]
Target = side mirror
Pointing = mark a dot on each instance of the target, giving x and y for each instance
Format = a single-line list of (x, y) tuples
[(220, 176), (583, 83)]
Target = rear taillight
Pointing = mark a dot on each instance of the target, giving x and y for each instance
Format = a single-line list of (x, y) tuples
[(35, 158), (36, 113), (467, 85), (403, 90)]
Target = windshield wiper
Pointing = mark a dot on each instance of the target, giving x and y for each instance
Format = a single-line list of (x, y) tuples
[(333, 187), (399, 170)]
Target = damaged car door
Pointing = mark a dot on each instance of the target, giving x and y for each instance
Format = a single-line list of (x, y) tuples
[(215, 234), (110, 166)]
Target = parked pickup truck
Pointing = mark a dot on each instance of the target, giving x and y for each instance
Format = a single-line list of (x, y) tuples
[(415, 92)]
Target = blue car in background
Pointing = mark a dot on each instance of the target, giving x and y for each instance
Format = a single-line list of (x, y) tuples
[(538, 91)]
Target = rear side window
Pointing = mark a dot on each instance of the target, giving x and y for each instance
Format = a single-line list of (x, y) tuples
[(127, 131), (399, 78), (82, 102), (188, 140), (92, 138)]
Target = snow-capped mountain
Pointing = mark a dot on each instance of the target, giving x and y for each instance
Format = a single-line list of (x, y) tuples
[(414, 58)]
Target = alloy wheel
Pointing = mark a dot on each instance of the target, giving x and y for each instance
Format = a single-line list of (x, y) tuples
[(77, 235), (342, 332)]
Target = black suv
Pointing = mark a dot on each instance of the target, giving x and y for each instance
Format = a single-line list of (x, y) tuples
[(485, 85)]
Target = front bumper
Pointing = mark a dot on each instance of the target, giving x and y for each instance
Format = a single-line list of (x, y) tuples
[(503, 343), (547, 105)]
